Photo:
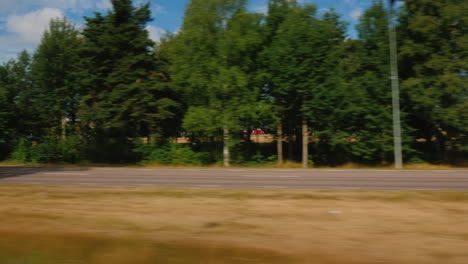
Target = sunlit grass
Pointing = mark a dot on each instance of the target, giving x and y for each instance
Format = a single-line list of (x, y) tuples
[(41, 224)]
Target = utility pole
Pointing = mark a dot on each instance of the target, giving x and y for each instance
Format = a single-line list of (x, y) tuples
[(395, 89)]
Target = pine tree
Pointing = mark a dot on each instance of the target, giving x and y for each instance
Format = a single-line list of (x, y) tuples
[(122, 97)]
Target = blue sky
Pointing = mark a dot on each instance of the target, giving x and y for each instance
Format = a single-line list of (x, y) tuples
[(23, 21)]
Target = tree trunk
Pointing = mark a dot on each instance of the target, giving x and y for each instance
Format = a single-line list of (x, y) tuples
[(226, 147), (291, 142), (280, 144), (305, 144), (63, 127)]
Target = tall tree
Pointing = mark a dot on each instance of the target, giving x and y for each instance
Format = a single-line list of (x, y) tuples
[(324, 84), (212, 56), (21, 96), (6, 114), (302, 62), (120, 80), (277, 13), (434, 66), (55, 68), (364, 116), (18, 115)]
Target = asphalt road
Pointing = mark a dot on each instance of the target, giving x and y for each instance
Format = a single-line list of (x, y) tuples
[(455, 180)]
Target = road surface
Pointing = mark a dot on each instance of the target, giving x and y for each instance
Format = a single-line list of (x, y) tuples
[(454, 180)]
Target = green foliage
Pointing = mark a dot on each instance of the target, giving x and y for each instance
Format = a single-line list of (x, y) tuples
[(89, 95), (18, 117), (173, 154), (55, 68), (212, 61), (22, 152), (258, 159), (5, 117), (123, 91), (364, 114), (200, 121), (48, 150), (434, 60)]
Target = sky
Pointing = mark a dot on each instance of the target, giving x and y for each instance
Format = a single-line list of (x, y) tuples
[(22, 22)]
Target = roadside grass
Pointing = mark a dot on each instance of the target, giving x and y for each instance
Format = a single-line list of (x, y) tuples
[(91, 193), (97, 225), (286, 165)]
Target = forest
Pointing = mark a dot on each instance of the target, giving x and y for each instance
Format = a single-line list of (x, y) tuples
[(106, 93)]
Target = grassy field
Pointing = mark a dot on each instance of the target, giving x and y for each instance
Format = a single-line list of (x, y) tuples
[(40, 224)]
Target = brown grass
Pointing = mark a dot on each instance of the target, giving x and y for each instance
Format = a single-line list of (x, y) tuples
[(164, 225)]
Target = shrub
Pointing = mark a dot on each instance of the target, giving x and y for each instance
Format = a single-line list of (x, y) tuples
[(47, 150), (22, 152), (173, 154)]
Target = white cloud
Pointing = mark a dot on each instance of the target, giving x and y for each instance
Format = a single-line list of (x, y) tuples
[(31, 26), (356, 13), (11, 45), (155, 33), (22, 22)]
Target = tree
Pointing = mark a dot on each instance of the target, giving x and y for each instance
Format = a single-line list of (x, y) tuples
[(212, 56), (20, 96), (18, 115), (324, 86), (55, 68), (277, 13), (302, 62), (434, 62), (365, 113), (122, 97), (6, 114)]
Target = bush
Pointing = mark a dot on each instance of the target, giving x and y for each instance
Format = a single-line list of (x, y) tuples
[(47, 150), (258, 159), (22, 151), (172, 154)]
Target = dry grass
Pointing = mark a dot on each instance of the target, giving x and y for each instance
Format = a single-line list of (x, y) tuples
[(285, 165), (150, 225), (428, 166)]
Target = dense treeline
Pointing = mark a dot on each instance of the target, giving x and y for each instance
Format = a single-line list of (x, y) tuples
[(108, 93)]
